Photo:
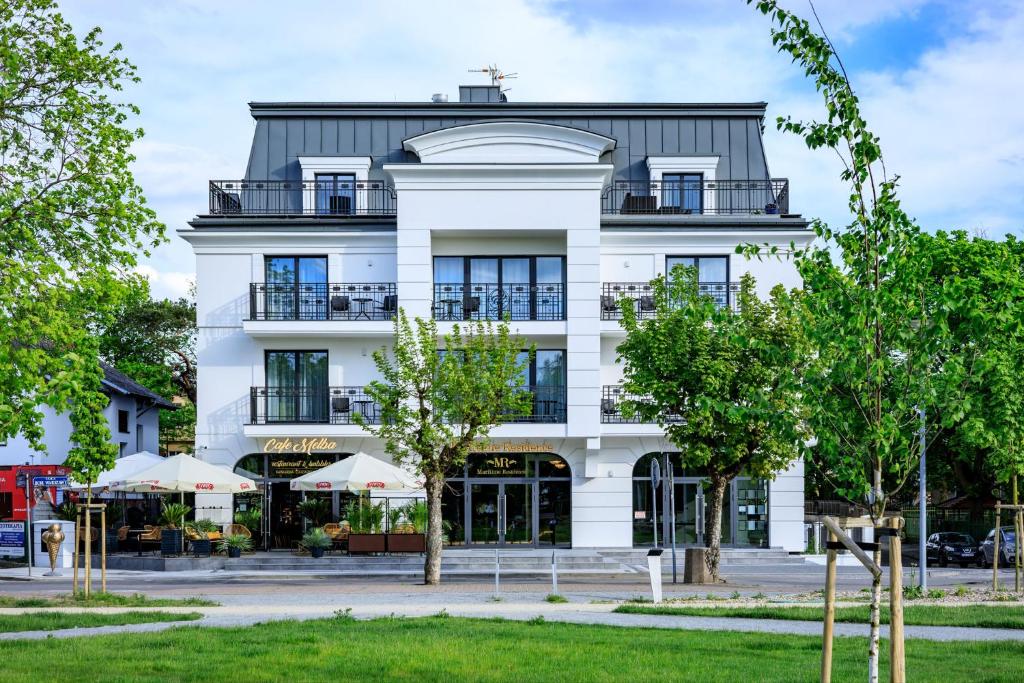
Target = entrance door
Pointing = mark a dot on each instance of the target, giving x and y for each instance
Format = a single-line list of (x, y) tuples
[(285, 520), (689, 513), (501, 514)]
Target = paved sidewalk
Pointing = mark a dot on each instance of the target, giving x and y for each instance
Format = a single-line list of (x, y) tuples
[(515, 607)]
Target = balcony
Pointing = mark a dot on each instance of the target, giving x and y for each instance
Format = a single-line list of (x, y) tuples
[(310, 198), (484, 301), (703, 197), (612, 398), (548, 406), (300, 405), (352, 301), (641, 295)]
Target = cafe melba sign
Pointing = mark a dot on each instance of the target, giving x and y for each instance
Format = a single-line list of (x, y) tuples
[(306, 446)]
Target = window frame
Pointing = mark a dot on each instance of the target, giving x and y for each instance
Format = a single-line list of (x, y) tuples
[(334, 181), (122, 422)]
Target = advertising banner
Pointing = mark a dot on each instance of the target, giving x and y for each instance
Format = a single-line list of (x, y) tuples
[(12, 539)]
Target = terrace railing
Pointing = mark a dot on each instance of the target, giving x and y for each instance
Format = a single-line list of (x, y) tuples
[(548, 405), (641, 296), (322, 301), (314, 198), (612, 398), (311, 405), (705, 197), (483, 301)]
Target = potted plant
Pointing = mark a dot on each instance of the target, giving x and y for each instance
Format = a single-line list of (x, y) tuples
[(315, 510), (235, 544), (200, 536), (115, 515), (412, 538), (771, 208), (316, 541), (171, 516), (366, 519)]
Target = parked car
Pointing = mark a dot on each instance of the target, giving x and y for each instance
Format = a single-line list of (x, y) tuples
[(950, 547), (1007, 545)]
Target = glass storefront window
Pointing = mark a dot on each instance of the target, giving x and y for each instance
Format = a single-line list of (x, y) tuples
[(752, 512)]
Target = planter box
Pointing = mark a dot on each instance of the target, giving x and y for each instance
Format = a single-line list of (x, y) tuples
[(170, 542), (407, 543), (367, 543), (201, 548)]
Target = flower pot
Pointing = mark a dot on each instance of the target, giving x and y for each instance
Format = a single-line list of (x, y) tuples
[(170, 542), (316, 552), (201, 547), (407, 543), (771, 209), (234, 553)]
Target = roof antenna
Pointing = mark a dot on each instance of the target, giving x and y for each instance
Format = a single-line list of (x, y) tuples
[(496, 74)]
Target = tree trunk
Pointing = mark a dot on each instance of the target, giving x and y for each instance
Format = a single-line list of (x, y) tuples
[(435, 537), (714, 525)]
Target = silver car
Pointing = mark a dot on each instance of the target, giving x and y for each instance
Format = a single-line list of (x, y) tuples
[(1007, 546)]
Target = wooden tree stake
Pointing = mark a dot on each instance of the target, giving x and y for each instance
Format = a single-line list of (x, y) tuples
[(830, 611), (897, 655)]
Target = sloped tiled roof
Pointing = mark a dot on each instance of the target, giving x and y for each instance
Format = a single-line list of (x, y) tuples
[(121, 383)]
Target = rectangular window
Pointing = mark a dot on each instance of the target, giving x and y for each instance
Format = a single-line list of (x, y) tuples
[(122, 421), (335, 194), (296, 287), (682, 192), (296, 386), (493, 287), (712, 275)]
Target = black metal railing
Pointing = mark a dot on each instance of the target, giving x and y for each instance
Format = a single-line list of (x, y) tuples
[(706, 197), (612, 398), (540, 301), (547, 406), (322, 301), (641, 296), (304, 405), (317, 198)]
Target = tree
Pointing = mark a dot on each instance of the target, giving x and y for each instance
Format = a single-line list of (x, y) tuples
[(718, 381), (865, 316), (72, 221), (153, 342), (437, 404)]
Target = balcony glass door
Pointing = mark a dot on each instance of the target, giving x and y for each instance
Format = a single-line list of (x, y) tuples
[(297, 388), (296, 287), (549, 392), (492, 287), (712, 274), (550, 299), (682, 193), (483, 298)]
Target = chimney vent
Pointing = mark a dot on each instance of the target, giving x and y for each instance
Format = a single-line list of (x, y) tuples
[(438, 98)]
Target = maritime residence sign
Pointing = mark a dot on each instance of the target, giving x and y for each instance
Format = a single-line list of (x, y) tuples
[(307, 445), (512, 447)]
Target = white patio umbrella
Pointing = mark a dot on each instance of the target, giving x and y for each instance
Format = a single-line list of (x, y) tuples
[(181, 473), (359, 472), (123, 468)]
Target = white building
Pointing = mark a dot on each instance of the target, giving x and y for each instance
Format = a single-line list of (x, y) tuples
[(546, 212)]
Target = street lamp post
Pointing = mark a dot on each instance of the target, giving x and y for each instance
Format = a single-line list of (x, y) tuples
[(922, 561)]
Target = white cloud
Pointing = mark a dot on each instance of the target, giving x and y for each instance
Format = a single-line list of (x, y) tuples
[(166, 284)]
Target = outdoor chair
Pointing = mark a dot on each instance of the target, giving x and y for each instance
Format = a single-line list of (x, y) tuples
[(122, 538), (390, 304), (236, 529), (404, 528), (647, 304), (608, 406), (339, 304), (632, 203), (340, 404), (150, 535), (608, 304)]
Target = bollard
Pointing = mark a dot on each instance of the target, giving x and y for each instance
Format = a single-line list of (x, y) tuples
[(554, 574), (497, 575), (654, 568)]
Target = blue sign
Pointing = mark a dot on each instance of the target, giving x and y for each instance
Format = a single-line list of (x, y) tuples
[(12, 539), (58, 481)]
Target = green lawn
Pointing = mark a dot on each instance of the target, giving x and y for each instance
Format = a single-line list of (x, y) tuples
[(995, 616), (51, 621), (104, 600), (454, 649)]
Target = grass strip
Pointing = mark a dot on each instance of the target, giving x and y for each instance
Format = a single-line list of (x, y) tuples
[(53, 621), (457, 649), (984, 616), (103, 600)]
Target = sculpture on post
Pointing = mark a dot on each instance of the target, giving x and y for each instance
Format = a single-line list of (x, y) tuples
[(53, 537)]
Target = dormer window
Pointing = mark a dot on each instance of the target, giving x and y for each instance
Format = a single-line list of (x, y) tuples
[(335, 194), (682, 192)]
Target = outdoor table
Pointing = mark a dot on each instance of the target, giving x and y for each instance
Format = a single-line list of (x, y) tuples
[(365, 407), (362, 301), (449, 305)]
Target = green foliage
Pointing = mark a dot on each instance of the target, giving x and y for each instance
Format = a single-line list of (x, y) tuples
[(719, 382), (365, 517), (250, 518), (67, 511), (416, 513), (394, 517), (316, 538), (555, 598), (437, 402), (316, 510), (239, 541), (171, 514), (72, 221), (203, 527)]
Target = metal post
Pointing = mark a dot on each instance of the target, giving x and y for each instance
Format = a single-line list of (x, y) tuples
[(655, 477), (28, 520), (672, 517), (497, 575), (922, 557), (554, 574)]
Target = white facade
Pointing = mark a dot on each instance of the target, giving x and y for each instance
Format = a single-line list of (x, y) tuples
[(493, 188)]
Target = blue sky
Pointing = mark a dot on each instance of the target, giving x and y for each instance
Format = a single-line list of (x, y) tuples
[(941, 82)]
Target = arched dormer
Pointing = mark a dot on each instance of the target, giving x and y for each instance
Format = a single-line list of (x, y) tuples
[(509, 142)]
